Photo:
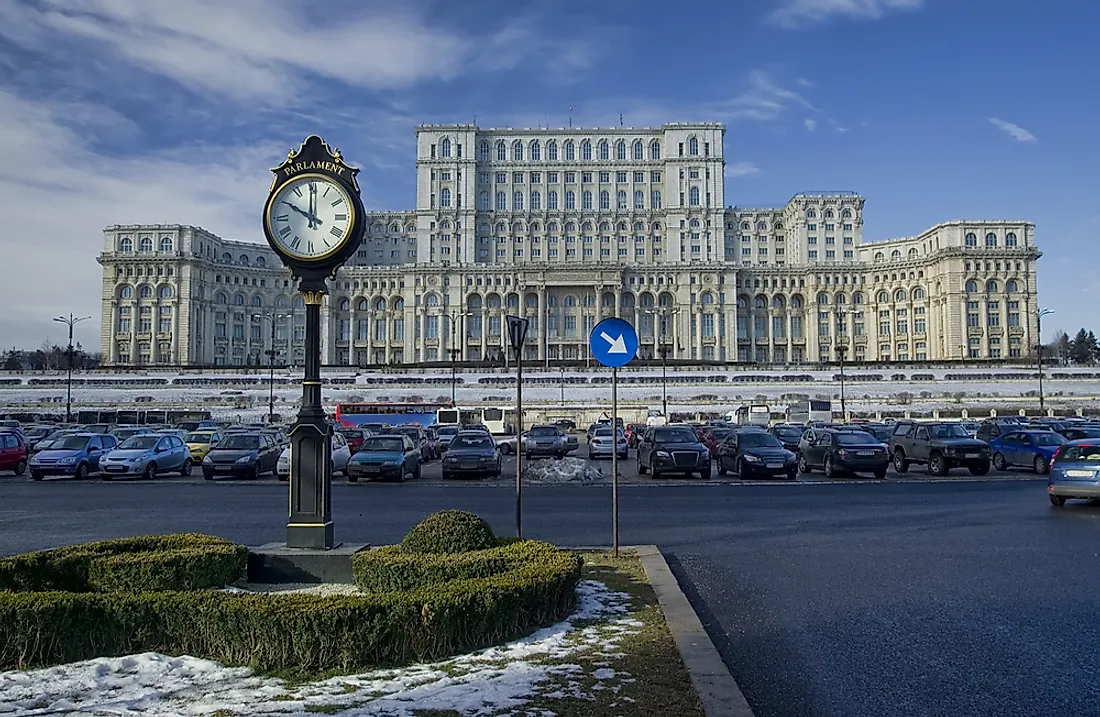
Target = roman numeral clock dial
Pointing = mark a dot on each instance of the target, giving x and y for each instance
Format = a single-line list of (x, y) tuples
[(310, 216)]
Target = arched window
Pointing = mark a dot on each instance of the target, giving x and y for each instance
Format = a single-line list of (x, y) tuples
[(639, 150), (380, 305), (444, 197), (1011, 286), (811, 214), (742, 302), (857, 298), (971, 239), (762, 226), (746, 226), (605, 200), (502, 151), (126, 245), (551, 200), (899, 295), (761, 302), (992, 287), (502, 201), (517, 151), (655, 150), (990, 241), (517, 201), (639, 200), (243, 259), (846, 214), (822, 299), (221, 298), (536, 151), (344, 305), (483, 200), (257, 301), (778, 303), (971, 287), (829, 214), (536, 201), (362, 305), (145, 292), (586, 150), (693, 196), (570, 200), (127, 292), (166, 243), (227, 258), (912, 252), (1010, 240), (655, 200), (620, 199), (445, 147), (261, 262), (570, 155), (879, 256), (399, 304), (693, 146), (552, 151), (840, 299), (586, 200), (603, 150), (483, 151), (796, 301), (883, 297), (146, 244), (895, 254), (918, 294), (166, 292), (620, 150)]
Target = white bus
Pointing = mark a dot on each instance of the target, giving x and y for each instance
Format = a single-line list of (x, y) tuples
[(806, 412), (496, 419), (757, 414)]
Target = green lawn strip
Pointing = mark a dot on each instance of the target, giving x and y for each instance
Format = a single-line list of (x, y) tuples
[(649, 676)]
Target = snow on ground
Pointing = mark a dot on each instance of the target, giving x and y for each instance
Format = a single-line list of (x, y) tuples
[(567, 470), (497, 681)]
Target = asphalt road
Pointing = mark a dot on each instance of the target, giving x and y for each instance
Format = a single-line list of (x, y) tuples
[(866, 598)]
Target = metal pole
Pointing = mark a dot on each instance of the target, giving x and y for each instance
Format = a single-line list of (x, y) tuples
[(843, 408), (615, 461), (69, 390), (563, 385), (664, 382), (519, 443), (271, 376), (1039, 357)]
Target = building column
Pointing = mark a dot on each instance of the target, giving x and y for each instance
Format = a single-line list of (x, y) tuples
[(352, 329), (113, 332), (544, 331), (177, 322)]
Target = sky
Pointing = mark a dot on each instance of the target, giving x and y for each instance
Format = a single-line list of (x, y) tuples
[(161, 111)]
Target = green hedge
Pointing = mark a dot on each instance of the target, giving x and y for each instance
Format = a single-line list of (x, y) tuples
[(186, 561), (391, 568), (305, 632), (449, 531)]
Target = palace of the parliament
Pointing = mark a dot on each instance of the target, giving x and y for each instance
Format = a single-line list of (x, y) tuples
[(565, 227)]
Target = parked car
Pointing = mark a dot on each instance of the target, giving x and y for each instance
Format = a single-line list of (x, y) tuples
[(1075, 471), (634, 434), (341, 454), (838, 452), (603, 444), (353, 436), (146, 455), (545, 440), (672, 449), (389, 455), (942, 446), (200, 443), (713, 436), (789, 434), (75, 455), (190, 426), (1077, 432), (472, 453), (14, 452), (754, 454), (240, 454), (1034, 449), (35, 434), (971, 428), (419, 438), (444, 436), (993, 427), (123, 433)]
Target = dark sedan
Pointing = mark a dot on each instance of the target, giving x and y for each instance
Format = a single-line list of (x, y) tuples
[(789, 434), (756, 454), (672, 449), (241, 455), (837, 452), (390, 456), (472, 454)]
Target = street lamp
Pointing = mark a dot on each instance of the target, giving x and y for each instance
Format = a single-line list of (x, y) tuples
[(562, 384), (274, 319), (454, 316), (663, 349), (1039, 314), (70, 321), (841, 349)]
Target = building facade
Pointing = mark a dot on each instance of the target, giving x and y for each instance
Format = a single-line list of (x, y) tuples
[(568, 226)]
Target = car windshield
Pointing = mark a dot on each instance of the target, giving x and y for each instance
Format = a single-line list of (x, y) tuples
[(198, 437), (720, 433), (854, 438), (1080, 454), (383, 444), (349, 433), (789, 434), (239, 442), (485, 442), (759, 440), (676, 435), (71, 443), (1048, 439), (447, 430), (545, 431), (948, 431), (606, 431), (407, 431), (139, 443), (37, 432)]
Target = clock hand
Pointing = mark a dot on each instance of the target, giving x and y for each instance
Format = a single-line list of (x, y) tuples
[(312, 219), (312, 206)]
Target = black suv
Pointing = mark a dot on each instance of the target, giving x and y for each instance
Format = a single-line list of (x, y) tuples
[(752, 454), (942, 446), (672, 449), (842, 451)]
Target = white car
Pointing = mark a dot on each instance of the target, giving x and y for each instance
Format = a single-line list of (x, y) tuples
[(341, 454)]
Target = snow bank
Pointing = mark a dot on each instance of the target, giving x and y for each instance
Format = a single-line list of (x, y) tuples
[(499, 679), (567, 470)]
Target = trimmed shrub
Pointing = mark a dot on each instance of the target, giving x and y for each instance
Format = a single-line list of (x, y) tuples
[(185, 561), (307, 632), (449, 531), (391, 568)]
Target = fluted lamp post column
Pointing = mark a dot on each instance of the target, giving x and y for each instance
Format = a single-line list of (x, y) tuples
[(70, 321)]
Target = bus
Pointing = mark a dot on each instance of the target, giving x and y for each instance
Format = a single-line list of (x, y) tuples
[(806, 412), (498, 420), (757, 414), (393, 414)]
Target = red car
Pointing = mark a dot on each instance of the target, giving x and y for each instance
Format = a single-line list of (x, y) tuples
[(13, 453), (712, 437), (354, 437)]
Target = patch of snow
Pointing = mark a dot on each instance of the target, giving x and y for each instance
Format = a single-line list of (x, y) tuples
[(567, 470), (502, 679), (324, 589)]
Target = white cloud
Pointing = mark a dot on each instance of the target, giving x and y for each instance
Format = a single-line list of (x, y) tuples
[(794, 14), (804, 82), (1015, 131), (763, 100), (811, 124), (741, 169)]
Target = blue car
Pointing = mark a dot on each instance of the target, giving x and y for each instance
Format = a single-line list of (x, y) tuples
[(391, 456), (1030, 448), (146, 455), (1075, 472), (77, 456)]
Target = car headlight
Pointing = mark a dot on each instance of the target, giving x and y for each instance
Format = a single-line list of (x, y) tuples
[(67, 461), (451, 459), (750, 458), (485, 459), (389, 464), (208, 460), (246, 459), (661, 454)]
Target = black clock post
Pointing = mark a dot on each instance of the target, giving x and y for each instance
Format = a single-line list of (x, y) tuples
[(313, 167)]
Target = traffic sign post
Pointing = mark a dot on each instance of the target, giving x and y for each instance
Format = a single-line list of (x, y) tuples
[(614, 343), (517, 334)]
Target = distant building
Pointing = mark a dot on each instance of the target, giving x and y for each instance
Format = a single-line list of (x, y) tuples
[(574, 225)]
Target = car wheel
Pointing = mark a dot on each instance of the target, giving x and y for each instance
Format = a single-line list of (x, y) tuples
[(186, 469), (901, 463), (880, 474), (150, 471), (705, 474), (793, 475), (722, 470), (1042, 465), (656, 474), (82, 471), (642, 470), (283, 478), (35, 475), (803, 466), (830, 473), (937, 466), (207, 476), (255, 474), (999, 462), (1057, 500), (21, 467), (506, 449), (416, 474), (979, 470)]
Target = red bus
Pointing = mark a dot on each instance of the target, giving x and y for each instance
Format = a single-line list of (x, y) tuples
[(393, 414)]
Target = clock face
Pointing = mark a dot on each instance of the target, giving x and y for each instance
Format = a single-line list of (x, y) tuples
[(311, 216)]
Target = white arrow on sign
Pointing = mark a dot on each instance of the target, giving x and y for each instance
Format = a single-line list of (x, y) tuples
[(618, 346)]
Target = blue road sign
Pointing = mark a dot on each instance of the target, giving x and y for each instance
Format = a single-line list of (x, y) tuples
[(614, 342)]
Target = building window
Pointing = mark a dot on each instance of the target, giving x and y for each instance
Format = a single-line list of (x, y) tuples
[(445, 197), (693, 146), (693, 196)]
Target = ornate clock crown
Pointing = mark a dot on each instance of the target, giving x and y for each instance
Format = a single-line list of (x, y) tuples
[(315, 154)]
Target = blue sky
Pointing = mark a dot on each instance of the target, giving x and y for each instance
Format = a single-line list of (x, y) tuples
[(134, 111)]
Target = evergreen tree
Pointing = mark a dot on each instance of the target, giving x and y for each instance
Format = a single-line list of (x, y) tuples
[(1081, 349)]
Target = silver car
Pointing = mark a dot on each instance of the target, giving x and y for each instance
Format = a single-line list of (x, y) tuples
[(601, 444), (146, 455), (545, 441)]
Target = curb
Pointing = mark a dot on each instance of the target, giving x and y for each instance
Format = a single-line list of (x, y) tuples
[(717, 690)]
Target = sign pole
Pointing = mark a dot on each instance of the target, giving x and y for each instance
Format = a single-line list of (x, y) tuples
[(615, 460), (519, 444)]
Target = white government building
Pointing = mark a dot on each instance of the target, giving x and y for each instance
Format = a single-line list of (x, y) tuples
[(567, 226)]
